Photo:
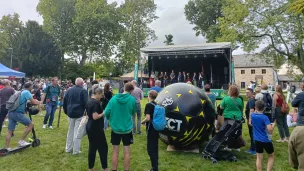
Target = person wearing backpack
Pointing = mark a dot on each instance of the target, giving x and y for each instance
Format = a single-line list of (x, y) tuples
[(50, 96), (152, 133), (267, 99), (280, 116), (16, 107)]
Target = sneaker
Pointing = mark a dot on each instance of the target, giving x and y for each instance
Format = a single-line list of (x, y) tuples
[(227, 149), (79, 152), (4, 126), (51, 127), (248, 151), (239, 150), (280, 141), (23, 143), (253, 152), (44, 126)]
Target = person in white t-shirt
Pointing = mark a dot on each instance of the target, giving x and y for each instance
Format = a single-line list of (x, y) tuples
[(290, 120)]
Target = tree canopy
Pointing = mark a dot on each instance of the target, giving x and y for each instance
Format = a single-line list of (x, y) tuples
[(205, 14), (253, 24), (32, 47), (169, 39)]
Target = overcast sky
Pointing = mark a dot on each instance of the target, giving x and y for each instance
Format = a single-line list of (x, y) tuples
[(171, 20)]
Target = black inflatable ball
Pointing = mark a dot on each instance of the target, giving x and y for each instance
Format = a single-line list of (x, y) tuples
[(189, 113)]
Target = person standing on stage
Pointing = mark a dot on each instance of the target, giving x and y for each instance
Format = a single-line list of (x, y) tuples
[(200, 80), (194, 79), (172, 77), (161, 79), (184, 77), (165, 79), (179, 77)]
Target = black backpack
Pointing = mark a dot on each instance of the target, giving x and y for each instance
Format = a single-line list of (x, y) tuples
[(293, 89), (268, 102)]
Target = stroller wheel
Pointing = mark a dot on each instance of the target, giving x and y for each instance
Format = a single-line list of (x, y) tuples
[(36, 143)]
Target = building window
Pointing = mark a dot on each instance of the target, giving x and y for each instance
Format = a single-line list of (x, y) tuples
[(252, 71), (263, 71), (243, 85), (242, 71)]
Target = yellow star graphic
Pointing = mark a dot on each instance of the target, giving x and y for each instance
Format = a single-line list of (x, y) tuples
[(202, 114), (178, 95), (203, 101), (176, 109), (167, 92), (190, 92)]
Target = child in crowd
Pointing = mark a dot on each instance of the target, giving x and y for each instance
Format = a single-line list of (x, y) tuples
[(262, 128), (152, 134), (258, 94)]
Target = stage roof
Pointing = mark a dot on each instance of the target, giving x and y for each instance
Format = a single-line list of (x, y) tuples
[(170, 48), (206, 48)]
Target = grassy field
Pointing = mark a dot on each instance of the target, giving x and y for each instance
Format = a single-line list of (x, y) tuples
[(51, 156)]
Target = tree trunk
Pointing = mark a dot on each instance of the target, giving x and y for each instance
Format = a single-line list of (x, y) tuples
[(84, 57)]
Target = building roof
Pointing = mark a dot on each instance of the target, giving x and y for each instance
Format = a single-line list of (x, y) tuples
[(285, 78), (249, 61), (130, 76), (204, 46), (284, 69)]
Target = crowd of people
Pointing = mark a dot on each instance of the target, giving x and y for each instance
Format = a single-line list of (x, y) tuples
[(196, 78), (123, 113)]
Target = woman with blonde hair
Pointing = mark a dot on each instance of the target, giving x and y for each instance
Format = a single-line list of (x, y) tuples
[(280, 117)]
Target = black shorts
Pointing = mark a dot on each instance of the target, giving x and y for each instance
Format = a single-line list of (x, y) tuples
[(127, 139), (260, 146)]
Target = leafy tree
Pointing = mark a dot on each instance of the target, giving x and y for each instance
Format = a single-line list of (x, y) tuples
[(10, 26), (297, 6), (253, 22), (38, 49), (205, 14), (137, 15), (58, 21), (97, 30), (169, 39)]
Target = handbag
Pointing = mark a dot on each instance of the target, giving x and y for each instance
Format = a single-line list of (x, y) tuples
[(285, 108), (81, 131)]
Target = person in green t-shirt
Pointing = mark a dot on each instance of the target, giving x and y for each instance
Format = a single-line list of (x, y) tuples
[(232, 104)]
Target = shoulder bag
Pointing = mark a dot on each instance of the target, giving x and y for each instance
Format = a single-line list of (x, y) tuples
[(81, 131)]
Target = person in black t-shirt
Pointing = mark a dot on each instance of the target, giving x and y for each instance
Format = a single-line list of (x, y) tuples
[(250, 108), (107, 97), (94, 127), (152, 134)]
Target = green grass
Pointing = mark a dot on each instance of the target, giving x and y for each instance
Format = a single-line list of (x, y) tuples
[(51, 156)]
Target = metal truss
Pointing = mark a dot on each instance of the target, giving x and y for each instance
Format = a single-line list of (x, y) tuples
[(184, 53)]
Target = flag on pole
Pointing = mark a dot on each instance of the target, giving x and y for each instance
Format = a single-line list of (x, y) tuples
[(136, 71)]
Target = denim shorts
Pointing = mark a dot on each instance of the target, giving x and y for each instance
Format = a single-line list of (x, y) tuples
[(14, 117)]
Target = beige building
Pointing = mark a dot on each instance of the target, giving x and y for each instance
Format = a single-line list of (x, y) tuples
[(251, 68)]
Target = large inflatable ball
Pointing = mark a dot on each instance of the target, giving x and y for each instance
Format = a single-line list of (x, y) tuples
[(189, 113)]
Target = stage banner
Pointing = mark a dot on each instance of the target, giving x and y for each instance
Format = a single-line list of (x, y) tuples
[(136, 71)]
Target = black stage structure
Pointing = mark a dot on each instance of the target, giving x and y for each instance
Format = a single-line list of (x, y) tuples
[(213, 59)]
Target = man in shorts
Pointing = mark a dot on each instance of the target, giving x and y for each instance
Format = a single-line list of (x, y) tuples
[(262, 129), (119, 111), (18, 116)]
